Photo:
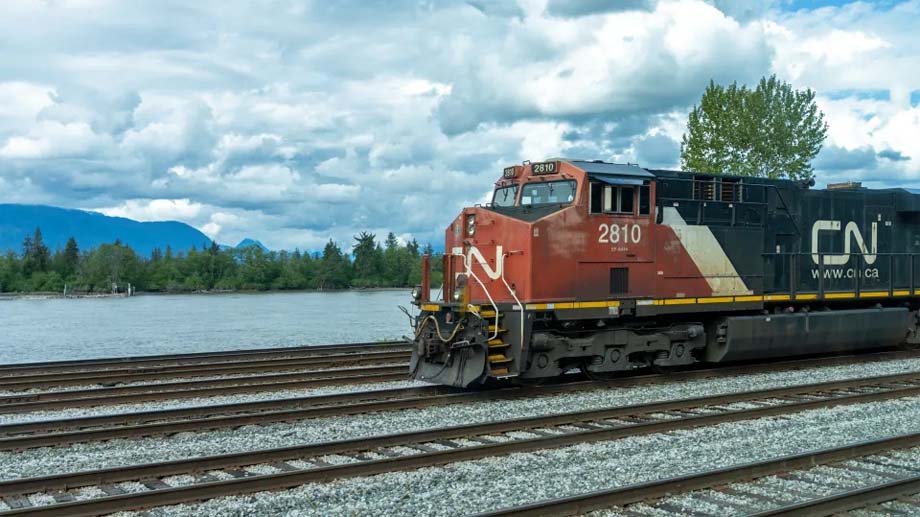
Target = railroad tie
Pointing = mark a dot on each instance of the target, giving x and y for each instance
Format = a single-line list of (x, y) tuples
[(62, 497), (16, 502), (676, 509), (867, 470), (238, 473), (155, 484), (112, 490), (286, 467), (734, 491), (890, 463), (711, 499), (422, 447)]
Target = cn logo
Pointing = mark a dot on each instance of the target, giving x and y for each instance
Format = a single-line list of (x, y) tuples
[(851, 233), (474, 254)]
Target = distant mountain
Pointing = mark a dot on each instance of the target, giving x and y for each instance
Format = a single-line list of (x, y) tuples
[(91, 229), (247, 242)]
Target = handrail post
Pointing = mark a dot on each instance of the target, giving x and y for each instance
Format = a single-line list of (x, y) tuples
[(890, 275), (856, 276), (820, 275), (911, 274), (448, 275), (426, 278)]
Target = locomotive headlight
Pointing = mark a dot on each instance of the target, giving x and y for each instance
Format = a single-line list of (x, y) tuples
[(470, 225), (459, 288)]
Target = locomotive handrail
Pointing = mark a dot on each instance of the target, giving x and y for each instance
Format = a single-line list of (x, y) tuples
[(857, 278), (468, 265), (520, 306)]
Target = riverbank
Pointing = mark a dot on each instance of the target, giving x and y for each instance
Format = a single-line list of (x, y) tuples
[(56, 296)]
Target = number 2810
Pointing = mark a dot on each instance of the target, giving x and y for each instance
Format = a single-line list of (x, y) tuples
[(617, 233)]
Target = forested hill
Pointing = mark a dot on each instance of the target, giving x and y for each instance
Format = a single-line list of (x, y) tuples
[(92, 229)]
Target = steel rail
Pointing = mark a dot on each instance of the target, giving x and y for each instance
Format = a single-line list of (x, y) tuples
[(594, 425), (191, 358), (58, 432), (201, 388), (114, 376), (602, 499), (849, 500)]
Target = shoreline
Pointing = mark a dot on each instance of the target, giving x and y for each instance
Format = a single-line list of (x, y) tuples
[(61, 296)]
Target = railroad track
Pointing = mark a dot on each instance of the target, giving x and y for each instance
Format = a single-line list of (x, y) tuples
[(11, 370), (767, 488), (51, 400), (60, 432), (196, 479), (12, 383)]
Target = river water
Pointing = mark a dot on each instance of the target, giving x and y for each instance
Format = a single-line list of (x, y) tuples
[(60, 329)]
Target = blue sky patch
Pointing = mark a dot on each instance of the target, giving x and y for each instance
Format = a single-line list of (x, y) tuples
[(875, 95)]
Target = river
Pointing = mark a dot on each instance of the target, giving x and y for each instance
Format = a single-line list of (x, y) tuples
[(59, 329)]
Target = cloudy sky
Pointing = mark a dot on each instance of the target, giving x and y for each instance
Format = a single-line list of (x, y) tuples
[(294, 121)]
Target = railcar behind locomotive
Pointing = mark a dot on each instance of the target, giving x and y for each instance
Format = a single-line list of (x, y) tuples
[(607, 267)]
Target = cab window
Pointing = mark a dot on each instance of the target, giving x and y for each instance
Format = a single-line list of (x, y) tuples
[(548, 193), (619, 199), (505, 196)]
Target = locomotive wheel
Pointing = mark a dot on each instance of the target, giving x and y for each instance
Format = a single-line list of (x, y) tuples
[(596, 376)]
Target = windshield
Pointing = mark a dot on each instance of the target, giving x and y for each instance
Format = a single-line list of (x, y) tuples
[(548, 193), (505, 196)]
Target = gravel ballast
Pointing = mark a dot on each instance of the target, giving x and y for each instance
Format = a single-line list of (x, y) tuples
[(476, 486), (85, 456)]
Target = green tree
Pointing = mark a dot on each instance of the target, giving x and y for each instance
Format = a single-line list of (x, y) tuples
[(333, 270), (368, 261), (111, 266), (772, 131), (36, 256), (67, 262)]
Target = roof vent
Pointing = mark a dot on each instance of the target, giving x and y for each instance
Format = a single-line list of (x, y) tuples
[(844, 186)]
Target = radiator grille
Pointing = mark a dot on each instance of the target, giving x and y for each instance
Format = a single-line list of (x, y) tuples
[(619, 280)]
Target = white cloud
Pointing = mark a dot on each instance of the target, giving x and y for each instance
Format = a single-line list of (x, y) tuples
[(49, 139), (21, 102), (155, 210), (300, 122)]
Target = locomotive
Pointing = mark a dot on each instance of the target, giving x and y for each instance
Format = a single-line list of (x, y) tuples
[(605, 267)]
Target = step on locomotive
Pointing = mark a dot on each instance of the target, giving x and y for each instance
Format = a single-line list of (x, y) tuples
[(606, 267)]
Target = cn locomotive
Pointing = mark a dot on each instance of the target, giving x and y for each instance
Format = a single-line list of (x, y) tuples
[(605, 267)]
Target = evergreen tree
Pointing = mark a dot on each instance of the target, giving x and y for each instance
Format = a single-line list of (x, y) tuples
[(69, 260), (37, 256), (368, 260), (333, 268)]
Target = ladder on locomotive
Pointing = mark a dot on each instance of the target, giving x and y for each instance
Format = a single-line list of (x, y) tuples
[(499, 349)]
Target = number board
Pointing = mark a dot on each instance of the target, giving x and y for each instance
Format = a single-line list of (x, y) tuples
[(545, 167), (509, 172)]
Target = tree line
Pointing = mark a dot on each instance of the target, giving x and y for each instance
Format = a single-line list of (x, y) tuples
[(114, 266)]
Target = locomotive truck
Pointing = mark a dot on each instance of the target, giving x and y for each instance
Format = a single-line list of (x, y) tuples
[(606, 267)]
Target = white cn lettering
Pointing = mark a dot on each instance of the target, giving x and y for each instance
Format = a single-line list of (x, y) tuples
[(851, 233), (474, 252)]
